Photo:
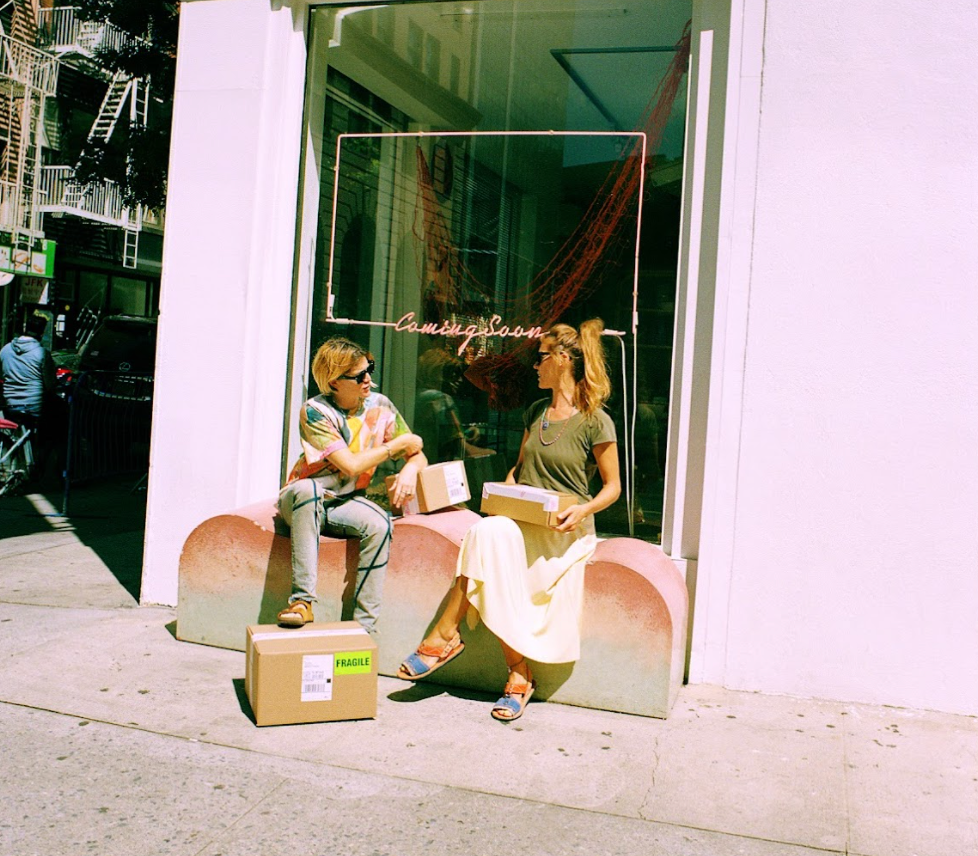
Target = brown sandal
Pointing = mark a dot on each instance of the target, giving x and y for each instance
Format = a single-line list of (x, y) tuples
[(296, 614), (414, 667)]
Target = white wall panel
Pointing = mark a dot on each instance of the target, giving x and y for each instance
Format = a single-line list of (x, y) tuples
[(225, 307), (854, 559)]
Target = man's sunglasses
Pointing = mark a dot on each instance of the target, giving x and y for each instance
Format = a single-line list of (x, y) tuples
[(360, 377)]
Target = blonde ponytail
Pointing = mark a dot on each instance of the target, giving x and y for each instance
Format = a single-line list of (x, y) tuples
[(594, 389)]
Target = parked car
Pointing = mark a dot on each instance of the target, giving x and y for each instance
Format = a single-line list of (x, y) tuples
[(121, 346), (121, 343)]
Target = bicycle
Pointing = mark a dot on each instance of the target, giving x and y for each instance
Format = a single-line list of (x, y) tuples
[(16, 456)]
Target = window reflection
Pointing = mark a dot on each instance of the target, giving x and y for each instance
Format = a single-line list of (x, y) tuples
[(461, 229)]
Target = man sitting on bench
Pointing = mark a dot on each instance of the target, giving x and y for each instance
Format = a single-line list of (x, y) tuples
[(346, 432)]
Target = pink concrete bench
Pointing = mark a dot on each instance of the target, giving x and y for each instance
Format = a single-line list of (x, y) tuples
[(235, 571)]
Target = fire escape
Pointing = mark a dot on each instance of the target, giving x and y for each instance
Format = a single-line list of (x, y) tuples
[(75, 42), (27, 77)]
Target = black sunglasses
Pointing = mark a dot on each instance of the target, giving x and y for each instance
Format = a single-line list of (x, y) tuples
[(360, 377), (541, 356)]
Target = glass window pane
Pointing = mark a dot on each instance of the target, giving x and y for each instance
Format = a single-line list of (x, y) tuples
[(128, 296), (92, 289), (466, 228)]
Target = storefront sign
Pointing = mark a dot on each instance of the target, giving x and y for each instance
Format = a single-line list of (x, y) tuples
[(34, 290), (454, 330), (33, 262)]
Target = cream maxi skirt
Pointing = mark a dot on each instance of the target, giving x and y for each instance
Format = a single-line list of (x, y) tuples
[(526, 583)]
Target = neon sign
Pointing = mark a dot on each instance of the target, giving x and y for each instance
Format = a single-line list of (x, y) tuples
[(454, 330)]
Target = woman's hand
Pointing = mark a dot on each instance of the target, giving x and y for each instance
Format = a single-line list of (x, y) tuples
[(606, 454), (405, 484), (571, 517)]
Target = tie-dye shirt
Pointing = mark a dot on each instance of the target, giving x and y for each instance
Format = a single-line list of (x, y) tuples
[(323, 428)]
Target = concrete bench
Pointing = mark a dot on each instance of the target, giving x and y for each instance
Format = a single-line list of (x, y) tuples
[(235, 570)]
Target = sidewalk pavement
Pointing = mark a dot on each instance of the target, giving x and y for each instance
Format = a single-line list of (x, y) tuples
[(118, 739)]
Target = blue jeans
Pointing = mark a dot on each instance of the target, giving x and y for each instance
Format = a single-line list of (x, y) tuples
[(309, 514)]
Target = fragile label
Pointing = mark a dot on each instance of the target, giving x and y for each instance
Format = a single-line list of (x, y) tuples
[(354, 663), (317, 677)]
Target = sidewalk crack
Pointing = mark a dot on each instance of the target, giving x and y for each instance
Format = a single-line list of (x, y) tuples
[(845, 785), (223, 833), (645, 807)]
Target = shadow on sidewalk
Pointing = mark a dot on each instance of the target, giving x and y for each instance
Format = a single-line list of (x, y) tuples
[(108, 517)]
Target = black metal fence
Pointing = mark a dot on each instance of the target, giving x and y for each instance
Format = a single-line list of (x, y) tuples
[(110, 415)]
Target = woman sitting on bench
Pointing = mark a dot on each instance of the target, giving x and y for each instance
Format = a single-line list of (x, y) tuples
[(526, 582)]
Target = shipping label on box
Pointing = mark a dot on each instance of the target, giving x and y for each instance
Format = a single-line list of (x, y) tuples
[(316, 673), (522, 502), (317, 677), (439, 486)]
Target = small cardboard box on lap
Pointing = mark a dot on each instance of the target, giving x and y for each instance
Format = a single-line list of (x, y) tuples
[(439, 485), (522, 502), (317, 673)]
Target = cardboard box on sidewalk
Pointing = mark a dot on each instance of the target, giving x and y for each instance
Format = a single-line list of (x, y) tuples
[(316, 673), (522, 502), (439, 485)]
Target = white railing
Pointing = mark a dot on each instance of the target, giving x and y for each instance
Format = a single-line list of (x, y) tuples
[(62, 31), (28, 66), (8, 206), (100, 201), (17, 217)]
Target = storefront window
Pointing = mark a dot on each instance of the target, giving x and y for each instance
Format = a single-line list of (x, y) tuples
[(480, 176), (128, 296), (92, 289)]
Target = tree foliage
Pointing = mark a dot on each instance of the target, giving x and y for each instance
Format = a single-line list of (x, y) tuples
[(138, 163)]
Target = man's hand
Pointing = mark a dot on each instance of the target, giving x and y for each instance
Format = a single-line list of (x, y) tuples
[(405, 484), (406, 444)]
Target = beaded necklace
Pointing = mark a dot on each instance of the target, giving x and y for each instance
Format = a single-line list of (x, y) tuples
[(544, 423)]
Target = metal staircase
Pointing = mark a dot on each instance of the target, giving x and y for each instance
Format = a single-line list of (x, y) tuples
[(28, 218), (27, 77), (115, 99), (130, 244), (123, 90), (23, 27)]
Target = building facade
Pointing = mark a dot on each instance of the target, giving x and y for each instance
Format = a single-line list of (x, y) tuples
[(76, 250), (796, 351)]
